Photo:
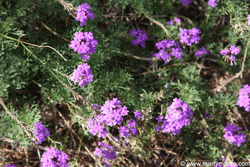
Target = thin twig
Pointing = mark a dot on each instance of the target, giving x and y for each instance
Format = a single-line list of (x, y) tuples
[(136, 57), (40, 46), (159, 24), (55, 32), (239, 115)]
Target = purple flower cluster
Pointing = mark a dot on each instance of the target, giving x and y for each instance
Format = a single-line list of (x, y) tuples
[(112, 114), (138, 114), (201, 52), (41, 131), (229, 53), (84, 43), (212, 3), (168, 48), (176, 20), (190, 36), (124, 130), (140, 39), (107, 152), (243, 99), (82, 75), (83, 13), (179, 115), (97, 127), (10, 165), (231, 136), (53, 157), (186, 2)]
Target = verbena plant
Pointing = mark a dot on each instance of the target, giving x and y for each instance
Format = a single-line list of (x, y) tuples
[(124, 83)]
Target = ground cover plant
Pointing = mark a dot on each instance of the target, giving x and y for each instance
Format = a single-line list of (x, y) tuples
[(124, 83)]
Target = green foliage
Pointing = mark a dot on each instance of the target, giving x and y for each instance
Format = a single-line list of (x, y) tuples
[(34, 76), (13, 130)]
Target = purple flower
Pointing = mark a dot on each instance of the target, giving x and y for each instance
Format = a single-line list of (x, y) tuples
[(186, 2), (177, 20), (97, 127), (84, 43), (179, 115), (243, 99), (232, 137), (107, 152), (83, 13), (138, 114), (41, 132), (167, 49), (160, 118), (113, 112), (201, 52), (205, 115), (141, 37), (212, 3), (190, 36), (10, 165), (224, 52), (53, 157), (234, 50), (232, 58), (96, 106), (132, 124), (171, 22), (230, 53), (124, 131), (248, 20), (157, 128), (82, 75)]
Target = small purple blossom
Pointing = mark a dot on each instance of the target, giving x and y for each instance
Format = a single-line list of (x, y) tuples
[(243, 99), (82, 75), (96, 106), (84, 43), (160, 118), (232, 137), (131, 125), (83, 13), (201, 52), (224, 52), (106, 151), (53, 157), (206, 115), (186, 2), (140, 39), (157, 128), (212, 3), (167, 49), (230, 53), (138, 114), (190, 36), (124, 131), (176, 20), (41, 132)]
